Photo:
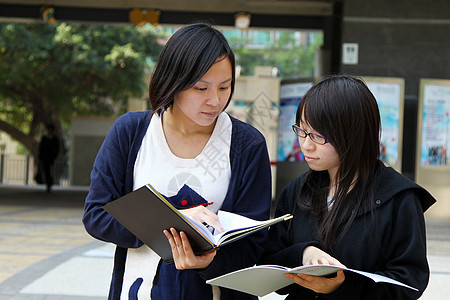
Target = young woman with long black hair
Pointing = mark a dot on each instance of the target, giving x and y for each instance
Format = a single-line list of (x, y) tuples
[(349, 208)]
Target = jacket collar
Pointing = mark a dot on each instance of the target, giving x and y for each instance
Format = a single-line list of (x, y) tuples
[(392, 184)]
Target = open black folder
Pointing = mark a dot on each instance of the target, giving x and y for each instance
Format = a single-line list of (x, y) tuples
[(146, 213)]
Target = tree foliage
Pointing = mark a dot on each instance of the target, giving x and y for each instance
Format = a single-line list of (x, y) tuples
[(292, 58), (51, 72)]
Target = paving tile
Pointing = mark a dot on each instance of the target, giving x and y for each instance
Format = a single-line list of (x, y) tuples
[(14, 263), (74, 277)]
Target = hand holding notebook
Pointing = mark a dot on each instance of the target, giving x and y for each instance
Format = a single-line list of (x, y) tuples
[(146, 213), (264, 279)]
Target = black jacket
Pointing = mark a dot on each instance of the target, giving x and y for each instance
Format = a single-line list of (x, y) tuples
[(396, 248), (48, 148)]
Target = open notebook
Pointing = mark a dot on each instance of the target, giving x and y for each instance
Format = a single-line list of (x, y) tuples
[(146, 213), (264, 279)]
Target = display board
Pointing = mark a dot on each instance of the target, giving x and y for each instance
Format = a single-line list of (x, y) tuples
[(434, 123), (389, 93), (433, 141), (290, 95), (290, 162)]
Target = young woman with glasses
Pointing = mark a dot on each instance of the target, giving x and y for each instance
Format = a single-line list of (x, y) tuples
[(349, 208), (195, 154)]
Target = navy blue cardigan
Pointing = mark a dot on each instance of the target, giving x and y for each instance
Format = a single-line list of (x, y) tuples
[(249, 194)]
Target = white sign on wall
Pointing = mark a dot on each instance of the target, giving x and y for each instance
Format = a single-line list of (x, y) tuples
[(350, 53)]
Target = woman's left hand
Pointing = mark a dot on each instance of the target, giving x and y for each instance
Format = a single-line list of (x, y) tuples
[(183, 256), (318, 284), (202, 215)]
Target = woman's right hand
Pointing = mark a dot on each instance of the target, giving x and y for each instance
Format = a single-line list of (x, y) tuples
[(182, 253)]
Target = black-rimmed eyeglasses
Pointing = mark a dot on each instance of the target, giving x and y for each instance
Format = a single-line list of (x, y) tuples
[(317, 138)]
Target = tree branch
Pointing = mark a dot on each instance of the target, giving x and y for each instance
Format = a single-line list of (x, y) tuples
[(28, 141)]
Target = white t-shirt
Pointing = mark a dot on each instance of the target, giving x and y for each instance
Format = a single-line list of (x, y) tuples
[(208, 174)]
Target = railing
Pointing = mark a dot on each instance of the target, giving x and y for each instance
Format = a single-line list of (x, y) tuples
[(20, 169)]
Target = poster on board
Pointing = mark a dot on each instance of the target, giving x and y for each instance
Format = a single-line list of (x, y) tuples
[(434, 122), (389, 93), (290, 96)]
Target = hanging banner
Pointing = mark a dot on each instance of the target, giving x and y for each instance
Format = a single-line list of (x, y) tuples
[(389, 93), (290, 96), (434, 120)]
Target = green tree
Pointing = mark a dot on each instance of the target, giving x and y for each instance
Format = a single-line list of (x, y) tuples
[(293, 59), (50, 72)]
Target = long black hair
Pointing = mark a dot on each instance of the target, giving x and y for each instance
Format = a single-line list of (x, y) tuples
[(342, 109), (188, 55)]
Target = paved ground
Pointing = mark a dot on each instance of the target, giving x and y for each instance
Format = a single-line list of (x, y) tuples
[(46, 254)]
